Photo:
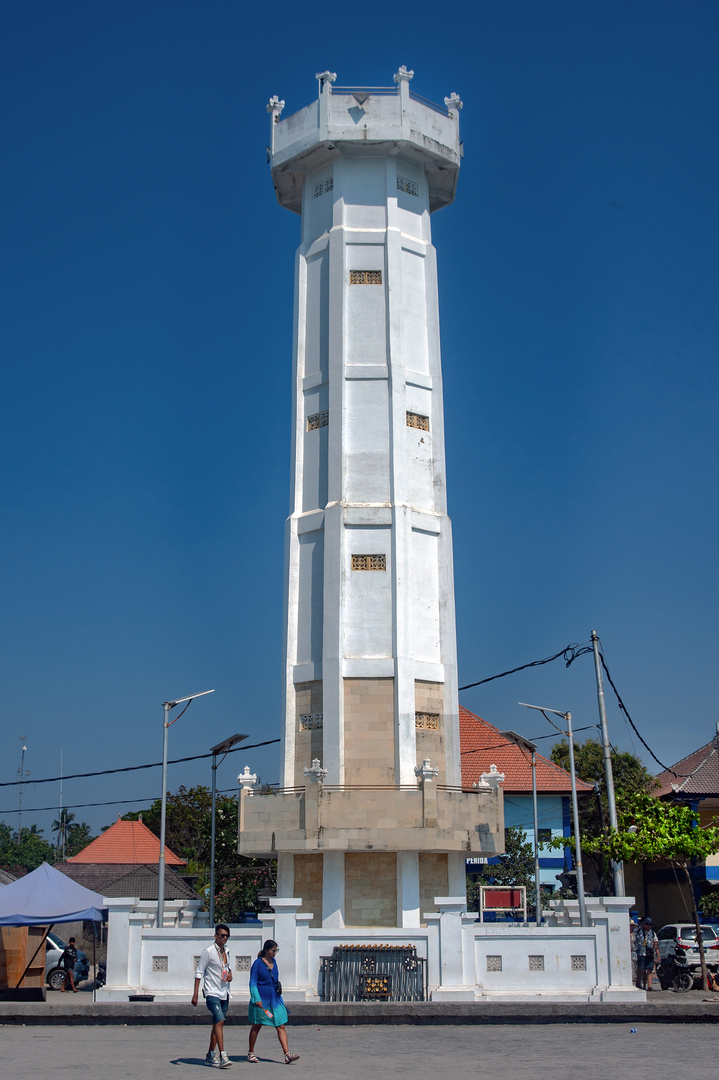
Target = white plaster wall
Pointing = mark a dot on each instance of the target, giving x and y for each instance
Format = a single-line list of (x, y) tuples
[(366, 425), (368, 594)]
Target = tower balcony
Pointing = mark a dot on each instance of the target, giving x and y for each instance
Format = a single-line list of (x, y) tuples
[(385, 119), (321, 817)]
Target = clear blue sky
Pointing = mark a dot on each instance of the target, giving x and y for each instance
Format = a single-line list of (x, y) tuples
[(146, 357)]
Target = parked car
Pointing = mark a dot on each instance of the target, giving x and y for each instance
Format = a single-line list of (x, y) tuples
[(54, 972), (681, 937)]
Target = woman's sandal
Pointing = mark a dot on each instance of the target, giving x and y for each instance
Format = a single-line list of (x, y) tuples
[(289, 1058), (253, 1059)]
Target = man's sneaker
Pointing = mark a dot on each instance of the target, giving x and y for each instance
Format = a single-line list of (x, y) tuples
[(212, 1059), (224, 1061)]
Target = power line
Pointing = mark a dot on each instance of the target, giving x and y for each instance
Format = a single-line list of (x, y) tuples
[(570, 654), (134, 768), (111, 802), (535, 738)]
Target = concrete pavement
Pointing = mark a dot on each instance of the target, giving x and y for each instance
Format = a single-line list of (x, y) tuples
[(356, 1053)]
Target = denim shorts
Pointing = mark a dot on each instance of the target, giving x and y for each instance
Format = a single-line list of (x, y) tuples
[(218, 1007)]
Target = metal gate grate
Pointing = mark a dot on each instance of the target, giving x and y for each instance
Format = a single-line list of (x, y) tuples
[(366, 972)]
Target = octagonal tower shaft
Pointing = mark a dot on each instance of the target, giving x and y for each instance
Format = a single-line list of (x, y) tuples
[(370, 649)]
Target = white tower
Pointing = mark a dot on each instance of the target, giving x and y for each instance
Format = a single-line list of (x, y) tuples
[(371, 735)]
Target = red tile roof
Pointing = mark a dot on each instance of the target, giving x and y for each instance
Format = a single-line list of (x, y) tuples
[(481, 746), (696, 774), (126, 842)]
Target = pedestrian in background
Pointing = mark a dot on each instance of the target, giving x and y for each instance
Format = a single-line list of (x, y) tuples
[(267, 1009), (214, 971), (646, 944), (68, 961)]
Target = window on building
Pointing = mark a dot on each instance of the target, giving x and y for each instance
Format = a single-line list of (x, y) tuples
[(365, 277), (369, 562)]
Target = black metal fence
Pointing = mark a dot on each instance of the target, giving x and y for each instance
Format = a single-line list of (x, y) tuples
[(373, 973)]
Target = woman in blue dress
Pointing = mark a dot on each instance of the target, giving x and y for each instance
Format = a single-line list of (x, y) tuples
[(267, 1008)]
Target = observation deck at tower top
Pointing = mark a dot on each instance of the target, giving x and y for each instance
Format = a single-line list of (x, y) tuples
[(384, 120)]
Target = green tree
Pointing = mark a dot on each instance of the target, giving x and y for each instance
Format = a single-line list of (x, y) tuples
[(79, 835), (188, 832), (186, 824), (651, 830), (630, 776), (23, 853), (60, 828), (514, 867)]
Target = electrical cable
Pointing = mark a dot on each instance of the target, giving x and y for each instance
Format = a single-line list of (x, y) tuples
[(133, 768), (535, 738), (622, 706), (570, 654)]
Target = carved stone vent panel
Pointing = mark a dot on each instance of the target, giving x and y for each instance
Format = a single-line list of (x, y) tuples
[(408, 186), (579, 963), (536, 963), (415, 420), (322, 187), (369, 562), (243, 963), (310, 721), (426, 721), (159, 963), (318, 420), (365, 277), (494, 963)]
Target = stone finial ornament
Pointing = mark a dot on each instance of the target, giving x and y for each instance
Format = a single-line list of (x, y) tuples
[(275, 106), (315, 773), (326, 76), (453, 103), (403, 75), (493, 778), (425, 771), (247, 780)]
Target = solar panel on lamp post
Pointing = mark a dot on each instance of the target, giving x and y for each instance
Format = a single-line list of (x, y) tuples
[(567, 717), (526, 744), (166, 707), (221, 748)]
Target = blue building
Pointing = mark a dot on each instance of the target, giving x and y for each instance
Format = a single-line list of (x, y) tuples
[(481, 747)]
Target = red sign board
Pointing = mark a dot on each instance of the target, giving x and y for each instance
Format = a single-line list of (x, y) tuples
[(503, 898)]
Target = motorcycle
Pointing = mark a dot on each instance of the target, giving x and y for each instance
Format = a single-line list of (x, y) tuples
[(101, 976), (674, 973)]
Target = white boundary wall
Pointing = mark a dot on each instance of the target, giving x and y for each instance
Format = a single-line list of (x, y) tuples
[(466, 960)]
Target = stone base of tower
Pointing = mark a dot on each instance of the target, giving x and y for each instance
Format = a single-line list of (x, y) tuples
[(370, 889)]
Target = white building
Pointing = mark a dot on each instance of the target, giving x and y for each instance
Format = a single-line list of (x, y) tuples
[(371, 704)]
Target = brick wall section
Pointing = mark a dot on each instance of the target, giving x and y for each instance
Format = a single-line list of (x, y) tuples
[(308, 885), (308, 744), (429, 698), (433, 880), (369, 731), (371, 889)]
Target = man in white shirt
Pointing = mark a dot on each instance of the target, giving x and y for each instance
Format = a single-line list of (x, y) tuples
[(214, 971)]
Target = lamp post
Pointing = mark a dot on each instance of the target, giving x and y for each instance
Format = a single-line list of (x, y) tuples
[(166, 706), (221, 748), (567, 717), (526, 744)]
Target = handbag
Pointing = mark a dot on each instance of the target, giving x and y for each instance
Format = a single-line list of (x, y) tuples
[(278, 987)]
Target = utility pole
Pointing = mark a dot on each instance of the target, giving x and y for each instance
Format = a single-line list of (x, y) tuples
[(617, 867)]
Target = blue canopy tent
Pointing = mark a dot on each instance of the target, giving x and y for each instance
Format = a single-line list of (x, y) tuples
[(45, 897)]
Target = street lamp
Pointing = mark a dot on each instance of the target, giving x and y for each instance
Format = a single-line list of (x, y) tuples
[(567, 717), (166, 706), (526, 744), (221, 748)]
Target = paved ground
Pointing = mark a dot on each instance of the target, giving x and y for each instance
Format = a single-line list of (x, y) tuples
[(359, 1053)]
